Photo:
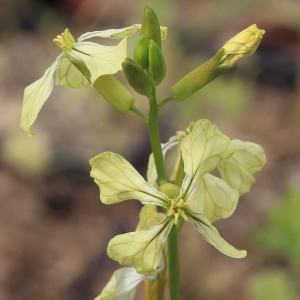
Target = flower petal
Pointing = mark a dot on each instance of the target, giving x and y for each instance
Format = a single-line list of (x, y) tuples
[(118, 181), (35, 96), (213, 198), (141, 249), (118, 33), (149, 217), (202, 150), (212, 236), (100, 60), (122, 285), (247, 159), (67, 74)]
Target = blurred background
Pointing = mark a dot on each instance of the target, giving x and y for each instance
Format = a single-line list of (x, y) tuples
[(53, 228)]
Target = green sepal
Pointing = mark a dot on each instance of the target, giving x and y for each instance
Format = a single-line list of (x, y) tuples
[(157, 66), (198, 78), (141, 52), (137, 77), (114, 92), (150, 26)]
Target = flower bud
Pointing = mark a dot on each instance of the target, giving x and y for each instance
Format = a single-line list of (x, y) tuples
[(150, 26), (157, 66), (242, 45), (141, 52), (114, 92), (137, 77)]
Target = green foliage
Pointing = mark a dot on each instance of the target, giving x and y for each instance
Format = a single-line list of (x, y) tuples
[(283, 232)]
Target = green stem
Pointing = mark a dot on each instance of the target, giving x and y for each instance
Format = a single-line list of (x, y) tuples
[(174, 279), (165, 101), (154, 136), (140, 114)]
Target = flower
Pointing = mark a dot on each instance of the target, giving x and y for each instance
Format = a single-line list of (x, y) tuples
[(123, 282), (201, 198), (80, 64)]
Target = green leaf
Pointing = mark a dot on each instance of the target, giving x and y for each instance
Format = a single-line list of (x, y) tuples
[(141, 249), (212, 236), (35, 96), (202, 150), (100, 60), (68, 75), (118, 181), (247, 159), (213, 198), (122, 285)]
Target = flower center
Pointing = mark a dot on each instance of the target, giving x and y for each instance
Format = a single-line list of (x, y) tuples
[(177, 209), (65, 41)]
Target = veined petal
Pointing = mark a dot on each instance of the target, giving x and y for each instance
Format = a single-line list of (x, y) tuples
[(100, 60), (149, 217), (202, 150), (121, 285), (212, 236), (35, 96), (118, 33), (247, 159), (213, 198), (118, 181), (141, 249), (151, 171), (67, 74)]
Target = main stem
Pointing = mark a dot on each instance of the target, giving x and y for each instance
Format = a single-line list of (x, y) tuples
[(154, 135)]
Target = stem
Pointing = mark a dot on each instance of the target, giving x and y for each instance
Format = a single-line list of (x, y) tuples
[(174, 279), (140, 114), (165, 101), (154, 136)]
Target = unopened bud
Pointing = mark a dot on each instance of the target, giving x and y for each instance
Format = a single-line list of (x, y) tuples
[(150, 26), (141, 52), (157, 65), (137, 77), (242, 45)]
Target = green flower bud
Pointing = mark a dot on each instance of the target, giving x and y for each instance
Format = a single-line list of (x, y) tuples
[(141, 52), (150, 26), (114, 92), (157, 66), (137, 77), (240, 46)]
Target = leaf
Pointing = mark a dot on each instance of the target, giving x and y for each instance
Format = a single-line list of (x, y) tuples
[(141, 249), (99, 59), (121, 285), (213, 198), (68, 75), (247, 159), (118, 181), (35, 95), (212, 236), (202, 150)]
